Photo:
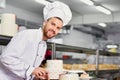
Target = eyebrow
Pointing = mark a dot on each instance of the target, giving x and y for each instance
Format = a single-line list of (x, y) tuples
[(55, 24)]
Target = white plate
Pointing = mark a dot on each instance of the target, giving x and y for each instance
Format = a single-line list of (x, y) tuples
[(86, 78)]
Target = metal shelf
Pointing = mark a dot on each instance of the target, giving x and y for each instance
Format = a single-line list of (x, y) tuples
[(68, 48), (4, 40), (106, 53)]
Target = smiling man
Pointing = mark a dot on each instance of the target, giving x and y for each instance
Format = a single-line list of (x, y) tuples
[(21, 58), (52, 27)]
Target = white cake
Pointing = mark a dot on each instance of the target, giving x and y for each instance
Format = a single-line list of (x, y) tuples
[(8, 26), (9, 30), (8, 18), (69, 77), (55, 64), (55, 68)]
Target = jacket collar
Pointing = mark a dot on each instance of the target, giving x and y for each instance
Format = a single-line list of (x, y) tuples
[(40, 35)]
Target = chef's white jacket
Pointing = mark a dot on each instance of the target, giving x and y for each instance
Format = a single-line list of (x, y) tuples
[(22, 55)]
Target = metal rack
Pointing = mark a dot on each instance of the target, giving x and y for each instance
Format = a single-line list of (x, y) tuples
[(67, 48)]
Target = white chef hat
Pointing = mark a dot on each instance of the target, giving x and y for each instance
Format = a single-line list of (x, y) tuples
[(58, 9)]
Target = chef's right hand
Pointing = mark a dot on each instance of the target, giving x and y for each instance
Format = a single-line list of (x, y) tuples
[(40, 73)]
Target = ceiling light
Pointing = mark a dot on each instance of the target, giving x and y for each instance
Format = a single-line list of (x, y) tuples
[(112, 46), (44, 2), (102, 24), (88, 2), (104, 10)]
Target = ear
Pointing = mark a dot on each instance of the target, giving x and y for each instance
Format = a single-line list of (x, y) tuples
[(44, 23)]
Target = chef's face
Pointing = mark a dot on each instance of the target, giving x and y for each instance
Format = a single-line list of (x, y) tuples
[(52, 27)]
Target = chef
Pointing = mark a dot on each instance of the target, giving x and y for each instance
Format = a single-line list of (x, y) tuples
[(22, 56)]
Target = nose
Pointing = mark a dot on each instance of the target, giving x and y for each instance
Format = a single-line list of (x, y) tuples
[(54, 30)]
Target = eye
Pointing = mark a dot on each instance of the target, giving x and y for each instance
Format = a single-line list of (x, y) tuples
[(58, 28), (53, 23)]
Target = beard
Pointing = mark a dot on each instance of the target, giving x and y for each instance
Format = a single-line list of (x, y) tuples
[(49, 34)]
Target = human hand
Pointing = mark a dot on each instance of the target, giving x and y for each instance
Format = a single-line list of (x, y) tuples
[(40, 73)]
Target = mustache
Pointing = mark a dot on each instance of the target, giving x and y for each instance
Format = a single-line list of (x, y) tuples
[(52, 31)]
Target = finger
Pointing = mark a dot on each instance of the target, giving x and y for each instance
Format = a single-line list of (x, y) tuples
[(36, 76), (39, 74), (42, 69), (41, 77), (42, 72), (48, 78)]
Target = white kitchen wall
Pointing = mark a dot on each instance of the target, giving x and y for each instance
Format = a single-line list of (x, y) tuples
[(23, 14), (80, 39), (115, 37)]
